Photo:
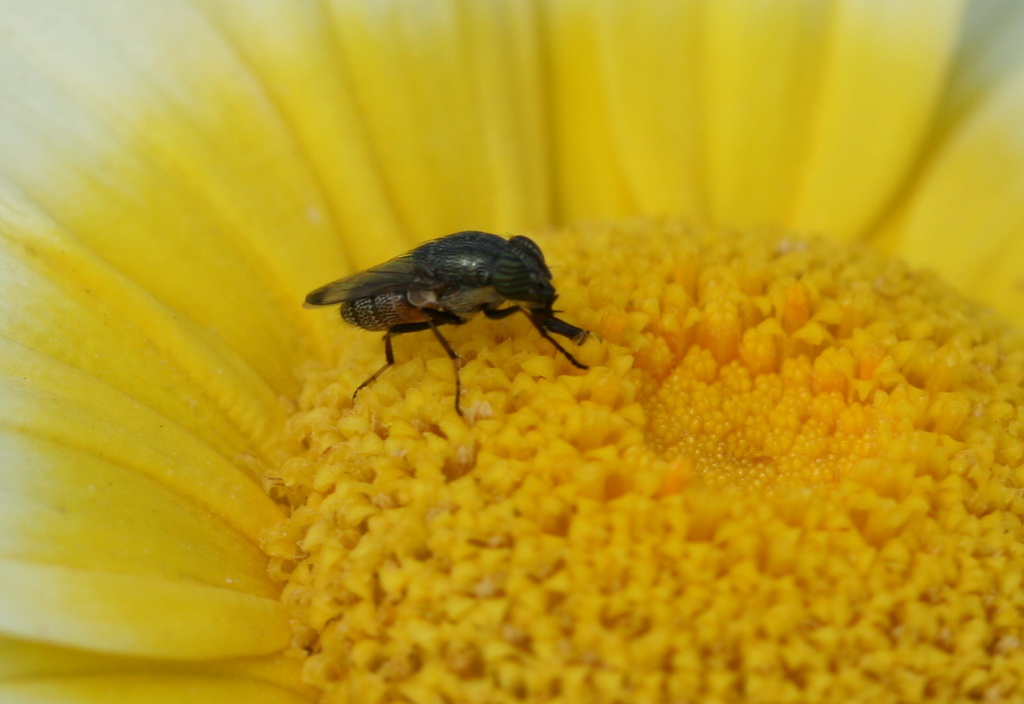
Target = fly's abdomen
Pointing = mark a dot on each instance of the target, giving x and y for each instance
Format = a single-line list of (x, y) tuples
[(380, 312)]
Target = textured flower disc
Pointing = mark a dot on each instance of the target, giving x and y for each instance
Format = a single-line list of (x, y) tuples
[(791, 473)]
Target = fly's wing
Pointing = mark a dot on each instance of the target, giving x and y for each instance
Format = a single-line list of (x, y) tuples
[(398, 274)]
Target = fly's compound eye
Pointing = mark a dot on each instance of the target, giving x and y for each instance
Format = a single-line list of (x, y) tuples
[(519, 279), (511, 277)]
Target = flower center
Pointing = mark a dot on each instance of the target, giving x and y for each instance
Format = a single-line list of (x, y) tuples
[(762, 420)]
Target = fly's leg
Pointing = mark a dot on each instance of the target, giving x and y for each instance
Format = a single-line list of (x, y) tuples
[(436, 318), (389, 354), (499, 313), (545, 321), (440, 317), (452, 355), (543, 330), (560, 327)]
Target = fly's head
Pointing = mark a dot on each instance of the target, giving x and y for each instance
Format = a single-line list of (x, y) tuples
[(521, 275)]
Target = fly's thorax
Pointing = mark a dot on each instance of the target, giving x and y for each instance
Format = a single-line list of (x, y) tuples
[(465, 259), (381, 312)]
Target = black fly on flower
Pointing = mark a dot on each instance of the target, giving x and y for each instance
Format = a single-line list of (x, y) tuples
[(446, 282)]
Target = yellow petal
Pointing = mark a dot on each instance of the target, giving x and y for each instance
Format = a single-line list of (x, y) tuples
[(169, 163), (148, 689), (136, 614), (135, 409), (807, 114), (965, 218), (626, 117), (293, 51), (100, 526), (437, 106), (39, 672), (87, 475), (112, 490), (62, 301), (881, 77), (761, 74)]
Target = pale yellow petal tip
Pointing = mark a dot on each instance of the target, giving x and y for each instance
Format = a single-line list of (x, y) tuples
[(791, 468)]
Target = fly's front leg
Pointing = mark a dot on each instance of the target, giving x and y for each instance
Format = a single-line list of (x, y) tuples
[(560, 327), (545, 322), (499, 313)]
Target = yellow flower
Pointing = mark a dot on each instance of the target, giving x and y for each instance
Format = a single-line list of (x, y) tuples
[(791, 472)]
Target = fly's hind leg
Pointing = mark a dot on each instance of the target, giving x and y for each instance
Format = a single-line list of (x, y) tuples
[(389, 354), (436, 318)]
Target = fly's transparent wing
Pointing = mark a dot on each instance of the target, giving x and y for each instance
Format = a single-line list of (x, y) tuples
[(399, 274)]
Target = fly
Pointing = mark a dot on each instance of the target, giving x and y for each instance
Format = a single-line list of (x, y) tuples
[(446, 282)]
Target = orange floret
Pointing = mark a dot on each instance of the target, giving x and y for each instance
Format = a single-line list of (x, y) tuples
[(792, 473)]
